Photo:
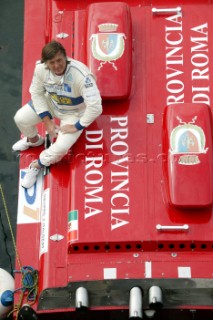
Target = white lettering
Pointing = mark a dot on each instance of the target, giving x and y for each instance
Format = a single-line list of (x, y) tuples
[(93, 174), (200, 64), (120, 200), (174, 59)]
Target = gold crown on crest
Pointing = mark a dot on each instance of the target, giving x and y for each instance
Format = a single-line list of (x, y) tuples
[(107, 27)]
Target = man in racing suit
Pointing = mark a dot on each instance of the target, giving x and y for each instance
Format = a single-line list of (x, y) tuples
[(61, 88)]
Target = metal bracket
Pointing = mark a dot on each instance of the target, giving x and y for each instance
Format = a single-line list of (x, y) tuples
[(172, 228), (167, 10), (56, 237)]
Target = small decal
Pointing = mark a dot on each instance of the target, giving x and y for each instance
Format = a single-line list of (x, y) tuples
[(61, 100), (45, 217), (72, 226), (184, 272), (29, 201), (69, 77), (62, 35), (110, 273), (148, 269), (67, 88), (188, 140), (108, 45), (88, 82)]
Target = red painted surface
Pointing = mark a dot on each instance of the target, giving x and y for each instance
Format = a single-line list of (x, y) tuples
[(115, 176)]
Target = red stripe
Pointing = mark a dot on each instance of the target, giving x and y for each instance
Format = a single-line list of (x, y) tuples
[(72, 235)]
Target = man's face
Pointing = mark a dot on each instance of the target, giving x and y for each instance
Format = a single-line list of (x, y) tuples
[(57, 64)]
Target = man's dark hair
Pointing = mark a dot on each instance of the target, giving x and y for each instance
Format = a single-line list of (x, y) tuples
[(51, 49)]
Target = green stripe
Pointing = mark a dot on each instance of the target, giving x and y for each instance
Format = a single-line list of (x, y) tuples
[(73, 215)]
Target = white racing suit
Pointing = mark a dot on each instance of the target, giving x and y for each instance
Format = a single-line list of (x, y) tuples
[(72, 98)]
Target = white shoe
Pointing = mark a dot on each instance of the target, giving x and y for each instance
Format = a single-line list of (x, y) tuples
[(30, 177), (23, 144)]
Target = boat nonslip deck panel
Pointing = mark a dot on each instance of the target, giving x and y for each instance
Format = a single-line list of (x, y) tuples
[(132, 199)]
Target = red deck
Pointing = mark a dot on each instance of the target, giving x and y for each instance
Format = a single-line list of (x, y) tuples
[(113, 182)]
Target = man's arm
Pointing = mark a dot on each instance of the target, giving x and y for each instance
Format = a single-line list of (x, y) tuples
[(92, 100), (38, 91)]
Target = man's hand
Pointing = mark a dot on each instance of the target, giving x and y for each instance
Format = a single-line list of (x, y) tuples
[(51, 128), (68, 128)]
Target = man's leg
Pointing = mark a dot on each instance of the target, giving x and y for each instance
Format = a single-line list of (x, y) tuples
[(50, 156), (26, 120), (59, 148)]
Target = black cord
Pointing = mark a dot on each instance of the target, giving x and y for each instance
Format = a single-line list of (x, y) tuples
[(5, 243)]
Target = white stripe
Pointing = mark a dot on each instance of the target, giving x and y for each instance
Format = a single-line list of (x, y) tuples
[(73, 225), (148, 269)]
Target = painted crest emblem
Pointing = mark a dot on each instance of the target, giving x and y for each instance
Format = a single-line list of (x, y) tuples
[(108, 45), (188, 140)]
